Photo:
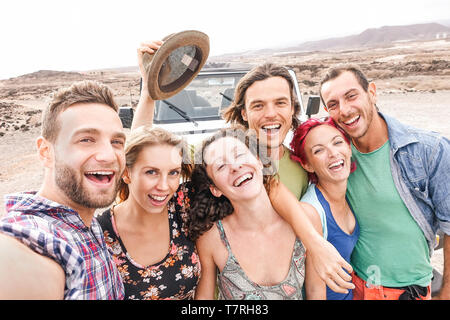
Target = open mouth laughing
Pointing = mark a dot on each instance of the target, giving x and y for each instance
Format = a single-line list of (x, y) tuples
[(352, 122), (103, 177), (271, 128), (157, 200), (337, 165), (243, 180)]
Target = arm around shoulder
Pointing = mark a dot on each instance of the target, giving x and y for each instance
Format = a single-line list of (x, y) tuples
[(25, 274), (313, 216), (287, 206), (326, 260)]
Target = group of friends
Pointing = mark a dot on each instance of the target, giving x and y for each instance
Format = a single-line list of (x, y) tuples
[(226, 222)]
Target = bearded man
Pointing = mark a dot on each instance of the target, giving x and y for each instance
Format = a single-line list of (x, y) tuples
[(51, 246)]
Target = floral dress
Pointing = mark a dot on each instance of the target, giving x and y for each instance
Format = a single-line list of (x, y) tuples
[(176, 276)]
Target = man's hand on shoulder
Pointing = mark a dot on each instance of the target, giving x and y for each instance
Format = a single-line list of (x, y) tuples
[(25, 274)]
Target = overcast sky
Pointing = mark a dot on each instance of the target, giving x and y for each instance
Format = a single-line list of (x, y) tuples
[(81, 35)]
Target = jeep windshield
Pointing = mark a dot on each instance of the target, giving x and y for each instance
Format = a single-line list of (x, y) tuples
[(202, 100)]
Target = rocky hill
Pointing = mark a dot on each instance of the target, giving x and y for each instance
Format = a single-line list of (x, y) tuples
[(373, 37), (378, 36)]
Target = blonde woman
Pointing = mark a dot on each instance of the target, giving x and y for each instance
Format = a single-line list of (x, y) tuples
[(145, 231)]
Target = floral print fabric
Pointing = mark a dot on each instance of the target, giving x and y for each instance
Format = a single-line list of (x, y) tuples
[(176, 276)]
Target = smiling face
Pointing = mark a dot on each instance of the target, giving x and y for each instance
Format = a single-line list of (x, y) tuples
[(154, 177), (327, 154), (89, 155), (234, 170), (269, 110), (350, 106)]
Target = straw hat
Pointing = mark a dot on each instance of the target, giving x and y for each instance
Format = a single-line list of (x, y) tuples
[(176, 63)]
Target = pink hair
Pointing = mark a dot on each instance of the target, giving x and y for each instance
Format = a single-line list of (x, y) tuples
[(298, 142)]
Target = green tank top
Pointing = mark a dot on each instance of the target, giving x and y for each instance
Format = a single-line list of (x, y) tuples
[(292, 175), (391, 249)]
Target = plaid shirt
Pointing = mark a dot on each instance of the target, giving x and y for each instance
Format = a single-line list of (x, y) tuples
[(58, 232)]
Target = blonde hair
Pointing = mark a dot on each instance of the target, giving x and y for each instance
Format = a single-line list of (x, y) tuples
[(147, 136)]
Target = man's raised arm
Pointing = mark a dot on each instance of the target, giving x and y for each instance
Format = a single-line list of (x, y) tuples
[(146, 106)]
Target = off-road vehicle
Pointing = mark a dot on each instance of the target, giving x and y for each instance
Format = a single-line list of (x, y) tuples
[(196, 111)]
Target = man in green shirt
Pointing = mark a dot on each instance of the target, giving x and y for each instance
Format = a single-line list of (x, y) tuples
[(399, 192), (265, 102)]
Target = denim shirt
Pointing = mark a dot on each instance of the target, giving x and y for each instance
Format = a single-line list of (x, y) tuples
[(420, 166)]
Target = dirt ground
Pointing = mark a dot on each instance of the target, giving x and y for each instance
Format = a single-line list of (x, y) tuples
[(413, 82)]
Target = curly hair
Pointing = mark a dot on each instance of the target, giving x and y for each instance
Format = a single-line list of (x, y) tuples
[(205, 208)]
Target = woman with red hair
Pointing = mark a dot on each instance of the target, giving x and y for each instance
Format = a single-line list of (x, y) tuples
[(323, 150)]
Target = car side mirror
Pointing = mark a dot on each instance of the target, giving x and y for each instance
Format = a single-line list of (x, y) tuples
[(313, 105)]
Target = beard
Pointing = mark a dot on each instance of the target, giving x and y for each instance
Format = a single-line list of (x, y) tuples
[(369, 118), (70, 183)]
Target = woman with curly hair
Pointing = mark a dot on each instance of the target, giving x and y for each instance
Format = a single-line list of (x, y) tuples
[(238, 232), (145, 232)]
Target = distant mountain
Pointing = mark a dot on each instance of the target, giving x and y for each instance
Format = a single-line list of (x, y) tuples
[(377, 36), (370, 37), (48, 74), (444, 22)]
